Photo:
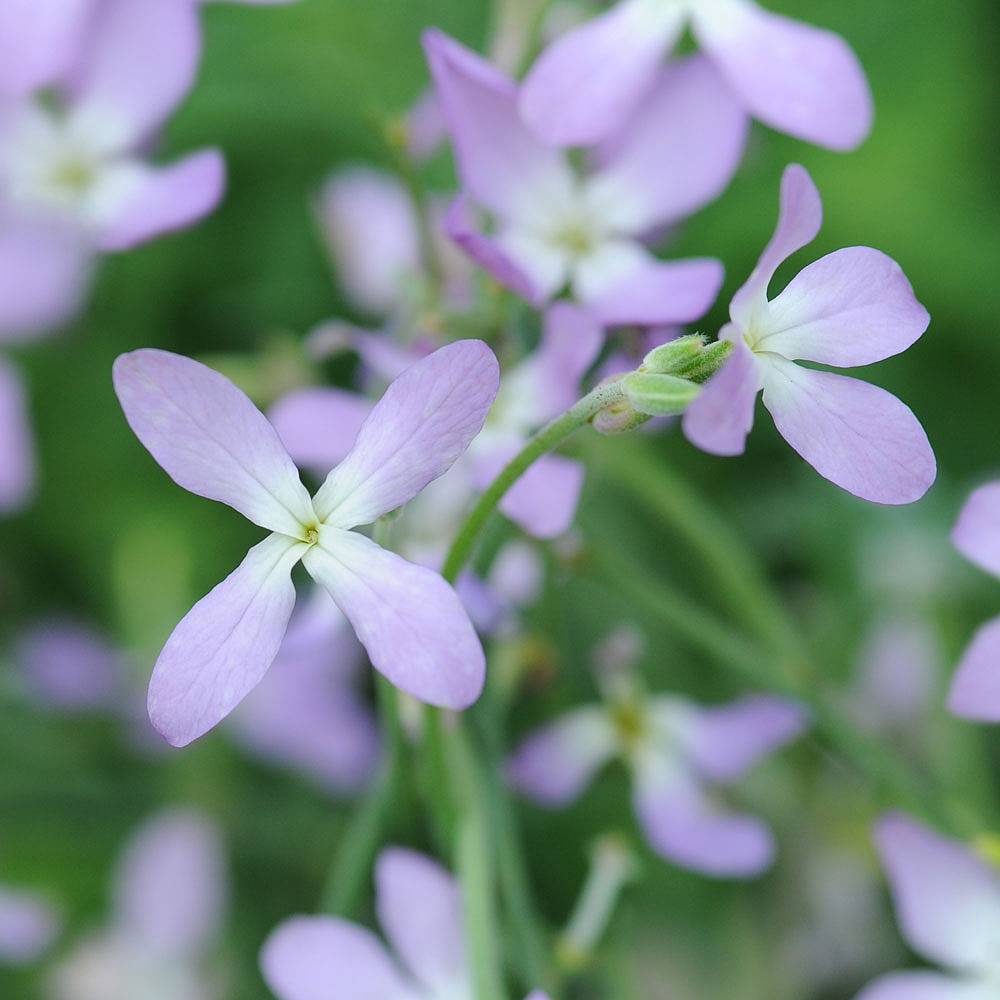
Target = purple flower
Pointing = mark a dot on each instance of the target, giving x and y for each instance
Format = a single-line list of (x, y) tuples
[(324, 958), (793, 77), (554, 229), (169, 896), (214, 442), (17, 447), (975, 692), (69, 666), (853, 307), (680, 756), (947, 901), (28, 926), (84, 164), (305, 713), (318, 427)]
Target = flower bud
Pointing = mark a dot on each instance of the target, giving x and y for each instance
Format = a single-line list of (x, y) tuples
[(659, 395), (688, 357)]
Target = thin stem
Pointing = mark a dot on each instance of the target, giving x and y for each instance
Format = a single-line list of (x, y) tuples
[(548, 438), (348, 878)]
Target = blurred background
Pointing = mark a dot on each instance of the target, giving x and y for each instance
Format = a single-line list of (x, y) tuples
[(291, 93)]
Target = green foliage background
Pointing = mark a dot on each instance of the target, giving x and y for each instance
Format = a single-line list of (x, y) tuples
[(290, 93)]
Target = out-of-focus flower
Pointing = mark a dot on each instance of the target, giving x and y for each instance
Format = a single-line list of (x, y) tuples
[(318, 426), (975, 691), (853, 307), (69, 666), (84, 164), (792, 76), (214, 442), (372, 230), (29, 926), (553, 228), (947, 902), (169, 896), (324, 958), (305, 713), (17, 448), (680, 756)]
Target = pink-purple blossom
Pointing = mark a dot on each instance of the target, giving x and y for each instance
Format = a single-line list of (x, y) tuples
[(947, 901), (975, 691), (419, 907), (29, 926), (169, 896), (794, 77), (853, 307), (681, 757), (214, 442), (552, 228)]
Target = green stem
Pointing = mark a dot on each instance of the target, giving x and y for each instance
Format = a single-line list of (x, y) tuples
[(349, 875), (548, 438)]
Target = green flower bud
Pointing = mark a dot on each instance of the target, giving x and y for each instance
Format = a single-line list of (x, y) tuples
[(671, 358), (659, 395)]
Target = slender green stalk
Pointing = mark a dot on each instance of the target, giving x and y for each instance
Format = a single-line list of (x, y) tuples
[(548, 438), (349, 875)]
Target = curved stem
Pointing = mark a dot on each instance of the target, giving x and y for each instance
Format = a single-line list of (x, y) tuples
[(548, 438)]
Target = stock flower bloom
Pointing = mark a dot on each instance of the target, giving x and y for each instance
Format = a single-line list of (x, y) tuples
[(975, 691), (213, 441), (552, 228), (28, 926), (853, 307), (318, 425), (169, 896), (325, 958), (792, 76), (305, 713), (947, 901), (84, 163), (680, 756)]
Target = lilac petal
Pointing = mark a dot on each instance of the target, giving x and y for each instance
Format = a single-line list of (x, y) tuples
[(977, 533), (571, 340), (28, 927), (305, 714), (501, 164), (140, 61), (69, 666), (426, 130), (720, 419), (316, 958), (517, 574), (408, 618), (224, 645), (925, 986), (38, 42), (799, 222), (586, 83), (853, 307), (684, 825), (420, 909), (319, 426), (794, 77), (655, 292), (857, 435), (210, 438), (975, 690), (543, 501), (676, 154), (555, 764), (371, 229), (532, 284), (44, 272), (415, 433), (17, 448), (724, 743), (170, 887), (947, 899), (167, 199)]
